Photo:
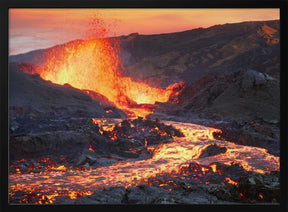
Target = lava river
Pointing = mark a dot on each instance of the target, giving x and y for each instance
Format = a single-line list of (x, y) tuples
[(167, 158)]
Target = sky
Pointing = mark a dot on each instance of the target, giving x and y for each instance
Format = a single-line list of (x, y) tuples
[(31, 29)]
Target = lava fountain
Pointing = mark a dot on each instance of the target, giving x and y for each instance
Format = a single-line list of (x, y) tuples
[(93, 65)]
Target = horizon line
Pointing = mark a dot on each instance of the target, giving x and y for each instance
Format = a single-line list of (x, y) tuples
[(143, 34)]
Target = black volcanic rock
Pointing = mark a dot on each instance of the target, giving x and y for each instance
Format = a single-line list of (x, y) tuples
[(46, 118), (244, 95), (253, 96), (212, 150), (30, 92)]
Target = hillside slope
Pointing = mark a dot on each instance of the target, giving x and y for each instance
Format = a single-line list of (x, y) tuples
[(188, 56), (31, 92)]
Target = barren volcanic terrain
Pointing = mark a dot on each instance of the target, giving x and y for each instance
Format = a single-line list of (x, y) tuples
[(190, 117)]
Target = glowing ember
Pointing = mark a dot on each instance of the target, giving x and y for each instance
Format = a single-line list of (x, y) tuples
[(91, 149), (228, 180), (241, 196), (214, 167), (261, 196), (61, 168)]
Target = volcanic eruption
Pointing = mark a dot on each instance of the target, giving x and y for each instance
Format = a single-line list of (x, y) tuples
[(70, 158), (93, 65)]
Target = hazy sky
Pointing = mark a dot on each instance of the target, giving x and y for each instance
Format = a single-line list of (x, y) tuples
[(31, 29)]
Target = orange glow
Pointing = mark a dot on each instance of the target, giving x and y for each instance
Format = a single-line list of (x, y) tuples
[(145, 142), (228, 180), (203, 169), (18, 171), (92, 65), (213, 167), (261, 195), (91, 149), (60, 168)]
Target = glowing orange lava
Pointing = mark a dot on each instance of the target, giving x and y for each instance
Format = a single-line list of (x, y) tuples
[(91, 149), (228, 180), (93, 65), (260, 195), (213, 167), (167, 158)]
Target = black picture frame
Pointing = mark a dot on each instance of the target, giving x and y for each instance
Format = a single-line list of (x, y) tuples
[(5, 5)]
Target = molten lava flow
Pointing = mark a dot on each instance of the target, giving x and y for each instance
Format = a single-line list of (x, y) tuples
[(213, 167), (182, 155), (91, 149), (93, 65), (231, 181)]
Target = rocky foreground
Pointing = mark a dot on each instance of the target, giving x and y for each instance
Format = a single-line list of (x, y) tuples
[(91, 161), (250, 190)]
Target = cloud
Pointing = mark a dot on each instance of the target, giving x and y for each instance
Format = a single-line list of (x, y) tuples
[(21, 44)]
